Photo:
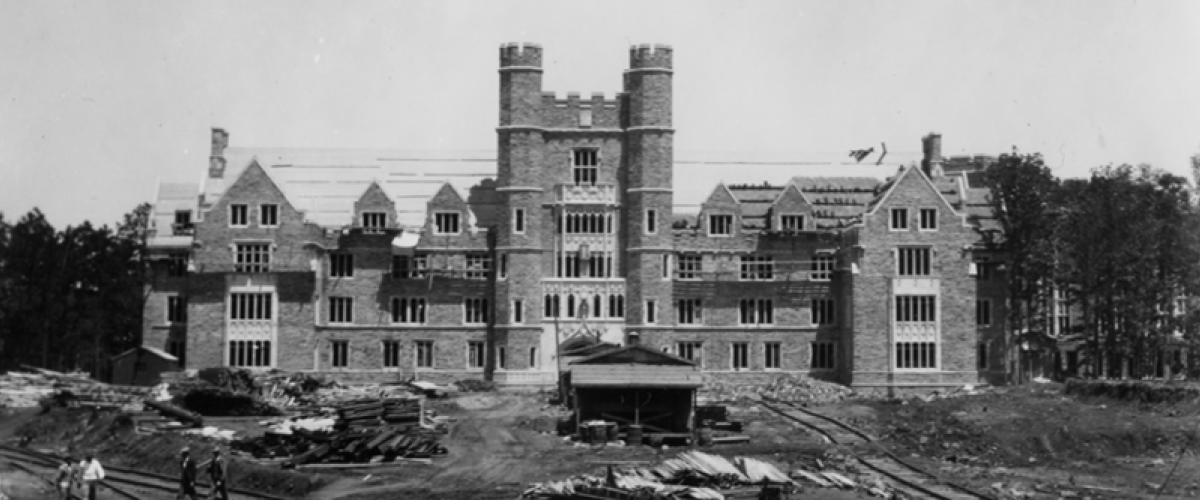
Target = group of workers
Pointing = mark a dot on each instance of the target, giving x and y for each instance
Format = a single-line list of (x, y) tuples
[(85, 474)]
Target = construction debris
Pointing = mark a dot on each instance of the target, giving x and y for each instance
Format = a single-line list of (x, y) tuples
[(167, 409), (792, 387), (27, 390), (692, 474), (360, 432)]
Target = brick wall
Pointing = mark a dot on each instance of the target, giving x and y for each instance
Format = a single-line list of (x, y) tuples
[(873, 292), (535, 162)]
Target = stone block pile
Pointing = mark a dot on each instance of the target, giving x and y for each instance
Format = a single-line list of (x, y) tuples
[(792, 388)]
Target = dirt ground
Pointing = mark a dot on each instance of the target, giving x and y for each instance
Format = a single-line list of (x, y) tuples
[(1035, 441), (111, 436), (1023, 442), (498, 447)]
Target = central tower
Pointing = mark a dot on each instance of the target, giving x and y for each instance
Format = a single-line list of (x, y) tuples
[(584, 190)]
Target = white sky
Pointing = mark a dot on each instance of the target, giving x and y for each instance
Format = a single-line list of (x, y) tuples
[(99, 100)]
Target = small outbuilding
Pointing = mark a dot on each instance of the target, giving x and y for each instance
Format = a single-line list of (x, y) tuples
[(636, 385), (142, 365)]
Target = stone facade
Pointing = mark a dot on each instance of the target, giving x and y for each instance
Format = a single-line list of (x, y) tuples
[(795, 278)]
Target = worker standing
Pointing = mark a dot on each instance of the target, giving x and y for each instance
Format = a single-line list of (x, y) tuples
[(187, 476), (93, 473), (64, 478), (218, 472)]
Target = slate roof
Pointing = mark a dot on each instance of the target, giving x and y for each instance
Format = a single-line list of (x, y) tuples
[(325, 183)]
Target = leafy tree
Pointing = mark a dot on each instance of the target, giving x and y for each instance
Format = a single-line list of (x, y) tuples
[(1021, 189)]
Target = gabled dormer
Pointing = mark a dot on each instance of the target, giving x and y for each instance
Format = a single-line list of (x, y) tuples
[(720, 214), (253, 201), (447, 212), (792, 211), (374, 211), (913, 203)]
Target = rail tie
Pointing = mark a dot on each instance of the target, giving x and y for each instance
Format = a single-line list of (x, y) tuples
[(140, 479), (905, 476)]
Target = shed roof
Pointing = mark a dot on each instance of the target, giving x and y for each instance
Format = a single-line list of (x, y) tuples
[(635, 366), (152, 350), (643, 376), (634, 354)]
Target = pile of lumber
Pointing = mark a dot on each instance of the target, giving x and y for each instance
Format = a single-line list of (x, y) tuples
[(376, 412), (111, 396), (364, 432), (27, 389), (24, 390), (693, 475)]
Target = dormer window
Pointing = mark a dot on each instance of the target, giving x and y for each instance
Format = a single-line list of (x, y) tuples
[(791, 222), (584, 163), (374, 222), (446, 223), (183, 223), (720, 225)]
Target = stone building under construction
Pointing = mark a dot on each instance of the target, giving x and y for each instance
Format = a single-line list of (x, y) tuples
[(380, 264)]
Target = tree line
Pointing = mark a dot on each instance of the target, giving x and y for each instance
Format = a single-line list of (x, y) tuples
[(1121, 246), (71, 298)]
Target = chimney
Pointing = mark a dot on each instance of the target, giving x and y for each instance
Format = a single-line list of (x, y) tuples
[(216, 158), (932, 161)]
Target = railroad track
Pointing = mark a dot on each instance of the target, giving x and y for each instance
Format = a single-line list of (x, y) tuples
[(115, 476), (905, 477)]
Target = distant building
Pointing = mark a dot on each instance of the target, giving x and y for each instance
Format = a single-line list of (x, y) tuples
[(376, 264)]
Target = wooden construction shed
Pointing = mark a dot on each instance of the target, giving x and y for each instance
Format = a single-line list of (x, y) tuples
[(142, 365), (636, 385)]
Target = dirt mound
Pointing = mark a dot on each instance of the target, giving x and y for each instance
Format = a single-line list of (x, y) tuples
[(1135, 390), (1024, 426)]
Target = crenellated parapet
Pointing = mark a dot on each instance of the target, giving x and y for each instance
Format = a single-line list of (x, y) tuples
[(650, 56), (520, 55), (576, 111)]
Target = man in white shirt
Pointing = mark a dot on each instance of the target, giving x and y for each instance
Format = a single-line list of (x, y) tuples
[(92, 474)]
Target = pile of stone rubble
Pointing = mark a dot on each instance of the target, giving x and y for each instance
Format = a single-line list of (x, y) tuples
[(793, 388)]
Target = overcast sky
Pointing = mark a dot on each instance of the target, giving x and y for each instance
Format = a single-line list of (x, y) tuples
[(100, 100)]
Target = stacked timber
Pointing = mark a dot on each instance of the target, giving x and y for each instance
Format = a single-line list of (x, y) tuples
[(28, 389), (375, 412), (365, 431)]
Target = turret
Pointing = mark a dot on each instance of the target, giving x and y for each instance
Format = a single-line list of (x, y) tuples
[(649, 152), (520, 83), (648, 83)]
